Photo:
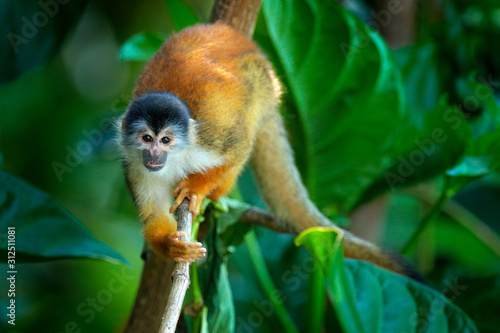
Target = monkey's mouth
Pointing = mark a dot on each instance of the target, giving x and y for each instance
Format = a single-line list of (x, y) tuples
[(154, 166)]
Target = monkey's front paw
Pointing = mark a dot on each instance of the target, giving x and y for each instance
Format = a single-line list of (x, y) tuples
[(182, 251), (195, 200)]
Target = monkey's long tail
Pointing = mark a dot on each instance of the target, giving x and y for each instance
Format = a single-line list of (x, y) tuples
[(286, 196)]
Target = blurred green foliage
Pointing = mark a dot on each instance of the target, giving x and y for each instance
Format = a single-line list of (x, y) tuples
[(418, 126)]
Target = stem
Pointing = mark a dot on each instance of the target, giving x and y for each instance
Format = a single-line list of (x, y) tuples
[(315, 305), (429, 218), (267, 284), (195, 284), (469, 221)]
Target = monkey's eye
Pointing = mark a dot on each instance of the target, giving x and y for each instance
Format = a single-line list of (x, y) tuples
[(165, 140), (147, 138)]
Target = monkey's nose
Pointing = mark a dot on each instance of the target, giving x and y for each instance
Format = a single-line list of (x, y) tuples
[(155, 153)]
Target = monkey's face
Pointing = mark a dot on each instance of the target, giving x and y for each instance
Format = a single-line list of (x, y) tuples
[(156, 124), (155, 148)]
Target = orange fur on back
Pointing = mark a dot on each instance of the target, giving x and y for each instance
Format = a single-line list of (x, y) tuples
[(201, 65)]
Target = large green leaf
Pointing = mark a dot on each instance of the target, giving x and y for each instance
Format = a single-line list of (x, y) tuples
[(426, 152), (370, 299), (421, 78), (438, 146), (32, 32), (348, 92), (43, 229)]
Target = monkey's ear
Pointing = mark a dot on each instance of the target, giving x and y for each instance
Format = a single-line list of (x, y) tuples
[(192, 131), (119, 124), (123, 125)]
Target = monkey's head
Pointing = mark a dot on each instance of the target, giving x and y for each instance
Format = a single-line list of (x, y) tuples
[(156, 124)]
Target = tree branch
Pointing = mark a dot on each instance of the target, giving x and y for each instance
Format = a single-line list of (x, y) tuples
[(256, 216), (150, 302), (239, 14), (180, 276)]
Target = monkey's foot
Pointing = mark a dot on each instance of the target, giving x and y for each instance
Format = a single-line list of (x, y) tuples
[(182, 251), (182, 192)]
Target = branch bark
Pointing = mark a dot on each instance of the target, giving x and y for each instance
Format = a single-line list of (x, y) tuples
[(180, 276), (150, 303), (239, 14), (399, 28), (154, 289), (256, 216)]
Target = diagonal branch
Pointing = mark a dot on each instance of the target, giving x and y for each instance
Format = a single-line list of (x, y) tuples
[(180, 276)]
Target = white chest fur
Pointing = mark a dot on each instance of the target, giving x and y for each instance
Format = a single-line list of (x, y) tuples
[(157, 186)]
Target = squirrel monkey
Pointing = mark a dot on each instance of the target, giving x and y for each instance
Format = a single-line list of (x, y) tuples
[(204, 105)]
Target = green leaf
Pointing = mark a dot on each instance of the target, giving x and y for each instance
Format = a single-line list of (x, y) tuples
[(219, 300), (204, 322), (32, 32), (213, 274), (267, 284), (472, 166), (231, 232), (43, 229), (321, 244), (440, 145), (424, 153), (348, 92), (402, 305), (141, 47), (289, 267), (367, 298), (482, 158), (181, 14), (322, 252), (421, 77)]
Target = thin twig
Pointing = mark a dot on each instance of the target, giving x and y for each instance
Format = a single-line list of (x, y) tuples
[(256, 216), (429, 218), (180, 276), (466, 219)]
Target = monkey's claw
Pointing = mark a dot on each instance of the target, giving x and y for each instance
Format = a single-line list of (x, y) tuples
[(182, 251), (194, 200)]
